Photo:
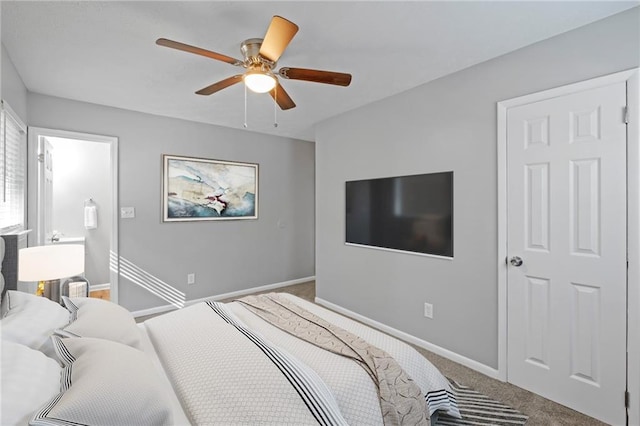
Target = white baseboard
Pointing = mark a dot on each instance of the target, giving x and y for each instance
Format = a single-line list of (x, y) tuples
[(460, 359), (99, 287), (156, 310), (239, 293)]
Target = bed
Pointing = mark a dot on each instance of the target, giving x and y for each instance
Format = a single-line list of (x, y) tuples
[(88, 362)]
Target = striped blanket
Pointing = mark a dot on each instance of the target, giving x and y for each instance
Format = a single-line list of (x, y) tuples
[(229, 366), (221, 375), (401, 400)]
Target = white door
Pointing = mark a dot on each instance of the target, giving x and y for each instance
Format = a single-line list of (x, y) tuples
[(46, 191), (566, 189)]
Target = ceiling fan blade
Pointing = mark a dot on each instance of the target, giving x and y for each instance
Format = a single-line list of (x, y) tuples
[(222, 84), (316, 76), (281, 97), (277, 38), (198, 51)]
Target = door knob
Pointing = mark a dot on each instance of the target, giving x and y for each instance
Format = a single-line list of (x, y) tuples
[(516, 261)]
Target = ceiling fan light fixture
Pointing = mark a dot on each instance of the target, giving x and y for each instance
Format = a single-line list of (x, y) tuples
[(259, 81), (260, 58)]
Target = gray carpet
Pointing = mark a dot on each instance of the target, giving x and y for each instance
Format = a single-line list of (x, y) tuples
[(479, 409)]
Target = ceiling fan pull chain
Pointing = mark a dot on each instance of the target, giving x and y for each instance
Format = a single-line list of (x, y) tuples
[(245, 107), (275, 110)]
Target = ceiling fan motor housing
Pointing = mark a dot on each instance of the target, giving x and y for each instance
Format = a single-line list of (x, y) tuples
[(250, 49)]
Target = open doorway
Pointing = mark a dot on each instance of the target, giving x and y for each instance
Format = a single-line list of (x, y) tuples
[(73, 199)]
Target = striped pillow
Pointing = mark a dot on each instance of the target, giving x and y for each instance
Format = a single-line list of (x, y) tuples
[(101, 319), (105, 383)]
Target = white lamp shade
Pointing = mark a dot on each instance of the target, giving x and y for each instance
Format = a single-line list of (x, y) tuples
[(50, 262)]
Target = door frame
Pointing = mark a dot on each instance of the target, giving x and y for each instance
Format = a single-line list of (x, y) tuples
[(633, 221), (34, 217)]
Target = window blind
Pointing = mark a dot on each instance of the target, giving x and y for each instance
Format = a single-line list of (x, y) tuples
[(13, 166)]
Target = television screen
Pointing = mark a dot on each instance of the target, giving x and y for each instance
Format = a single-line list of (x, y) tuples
[(407, 213)]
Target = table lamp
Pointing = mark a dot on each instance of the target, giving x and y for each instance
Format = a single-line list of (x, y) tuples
[(47, 264)]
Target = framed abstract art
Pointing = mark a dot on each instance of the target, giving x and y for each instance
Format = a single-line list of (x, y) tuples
[(199, 189)]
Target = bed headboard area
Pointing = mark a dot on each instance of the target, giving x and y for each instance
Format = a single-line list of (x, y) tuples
[(1, 259), (9, 261)]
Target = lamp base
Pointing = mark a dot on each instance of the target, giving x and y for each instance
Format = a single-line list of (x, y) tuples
[(49, 289)]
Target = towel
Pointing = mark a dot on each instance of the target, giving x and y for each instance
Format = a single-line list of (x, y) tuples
[(90, 217)]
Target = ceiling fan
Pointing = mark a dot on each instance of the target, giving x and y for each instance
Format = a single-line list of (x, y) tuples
[(260, 58)]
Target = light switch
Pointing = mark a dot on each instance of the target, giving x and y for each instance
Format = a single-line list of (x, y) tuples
[(127, 212)]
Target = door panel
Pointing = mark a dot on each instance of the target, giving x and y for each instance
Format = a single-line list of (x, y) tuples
[(47, 188), (584, 213), (566, 205), (537, 207), (537, 320)]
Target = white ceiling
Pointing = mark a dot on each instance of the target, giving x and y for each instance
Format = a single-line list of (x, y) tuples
[(105, 52)]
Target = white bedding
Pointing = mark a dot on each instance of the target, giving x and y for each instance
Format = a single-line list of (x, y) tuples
[(29, 379), (219, 375), (211, 376), (179, 417), (201, 357)]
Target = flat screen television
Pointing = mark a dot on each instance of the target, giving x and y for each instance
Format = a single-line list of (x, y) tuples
[(407, 213)]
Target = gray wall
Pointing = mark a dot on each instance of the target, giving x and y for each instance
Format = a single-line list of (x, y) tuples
[(225, 256), (12, 88), (82, 170), (448, 124)]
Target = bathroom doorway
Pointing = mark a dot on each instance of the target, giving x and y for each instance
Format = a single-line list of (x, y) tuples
[(73, 199)]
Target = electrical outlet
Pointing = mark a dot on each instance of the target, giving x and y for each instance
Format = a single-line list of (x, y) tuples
[(428, 310), (191, 278)]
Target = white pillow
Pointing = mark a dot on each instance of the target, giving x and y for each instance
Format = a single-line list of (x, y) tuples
[(30, 320), (100, 318), (105, 383), (29, 379)]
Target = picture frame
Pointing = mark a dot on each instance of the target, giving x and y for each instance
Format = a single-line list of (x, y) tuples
[(200, 189)]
